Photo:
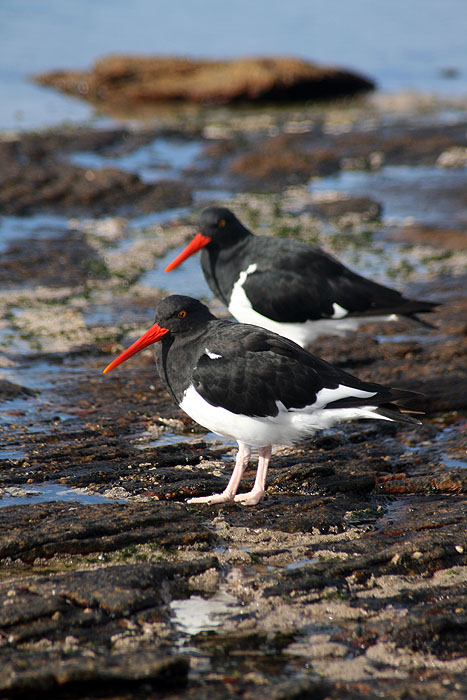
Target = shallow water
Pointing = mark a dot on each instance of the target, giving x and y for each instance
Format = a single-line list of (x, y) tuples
[(160, 160), (450, 462), (43, 493), (186, 279), (171, 438), (300, 564), (14, 228), (196, 614), (406, 192)]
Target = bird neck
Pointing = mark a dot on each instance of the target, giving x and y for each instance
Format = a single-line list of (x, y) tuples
[(176, 357), (222, 264)]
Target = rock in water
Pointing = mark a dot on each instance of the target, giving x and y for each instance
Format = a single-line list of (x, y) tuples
[(136, 79)]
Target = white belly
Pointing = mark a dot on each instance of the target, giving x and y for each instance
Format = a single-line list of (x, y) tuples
[(288, 426), (301, 333)]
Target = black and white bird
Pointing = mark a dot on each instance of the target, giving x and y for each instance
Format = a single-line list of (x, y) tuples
[(254, 386), (287, 286)]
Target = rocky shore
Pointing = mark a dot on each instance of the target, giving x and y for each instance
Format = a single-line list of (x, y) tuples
[(349, 580)]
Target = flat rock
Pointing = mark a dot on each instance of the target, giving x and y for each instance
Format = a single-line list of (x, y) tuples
[(138, 79), (62, 630), (44, 529), (348, 580)]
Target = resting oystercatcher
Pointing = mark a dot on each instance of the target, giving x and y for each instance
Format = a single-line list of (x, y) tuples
[(253, 386), (290, 287)]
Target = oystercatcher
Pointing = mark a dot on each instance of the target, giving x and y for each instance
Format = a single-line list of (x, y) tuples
[(254, 386), (290, 287)]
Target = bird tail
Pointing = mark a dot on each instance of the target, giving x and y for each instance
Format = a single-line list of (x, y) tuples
[(388, 403), (396, 409), (399, 415), (414, 307), (418, 321)]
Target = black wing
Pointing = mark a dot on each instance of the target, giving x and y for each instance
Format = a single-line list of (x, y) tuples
[(303, 283), (255, 369)]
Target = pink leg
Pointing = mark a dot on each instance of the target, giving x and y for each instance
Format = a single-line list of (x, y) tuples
[(241, 462), (256, 494)]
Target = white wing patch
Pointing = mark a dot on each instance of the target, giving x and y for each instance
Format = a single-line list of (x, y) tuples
[(326, 396), (339, 311), (212, 355)]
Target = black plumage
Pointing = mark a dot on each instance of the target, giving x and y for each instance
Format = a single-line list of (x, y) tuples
[(284, 284), (255, 386)]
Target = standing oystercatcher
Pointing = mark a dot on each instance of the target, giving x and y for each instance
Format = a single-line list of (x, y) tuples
[(290, 287), (254, 386)]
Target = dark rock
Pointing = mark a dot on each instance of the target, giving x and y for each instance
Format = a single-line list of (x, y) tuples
[(35, 147), (365, 207), (441, 393), (86, 608), (9, 391), (35, 177), (436, 236), (67, 259), (66, 188), (360, 539), (400, 145), (438, 628), (281, 161), (45, 529), (271, 162), (44, 675)]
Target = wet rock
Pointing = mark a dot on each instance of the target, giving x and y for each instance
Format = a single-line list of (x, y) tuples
[(396, 145), (281, 161), (79, 674), (36, 178), (136, 80), (385, 550), (45, 529), (438, 628), (36, 147), (441, 393), (9, 391), (65, 629), (288, 158), (354, 565), (65, 188), (65, 259), (438, 237), (338, 206)]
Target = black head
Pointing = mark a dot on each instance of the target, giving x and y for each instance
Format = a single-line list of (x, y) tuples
[(181, 314), (219, 228), (175, 315), (221, 225)]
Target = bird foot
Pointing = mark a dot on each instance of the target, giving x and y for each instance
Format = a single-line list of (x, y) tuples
[(249, 499), (212, 500)]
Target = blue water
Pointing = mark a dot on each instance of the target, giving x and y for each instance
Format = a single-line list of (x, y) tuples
[(420, 192), (44, 493), (13, 228), (402, 45), (186, 279), (159, 160)]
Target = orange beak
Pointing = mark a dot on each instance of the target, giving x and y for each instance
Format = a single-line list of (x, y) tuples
[(198, 242), (151, 336)]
